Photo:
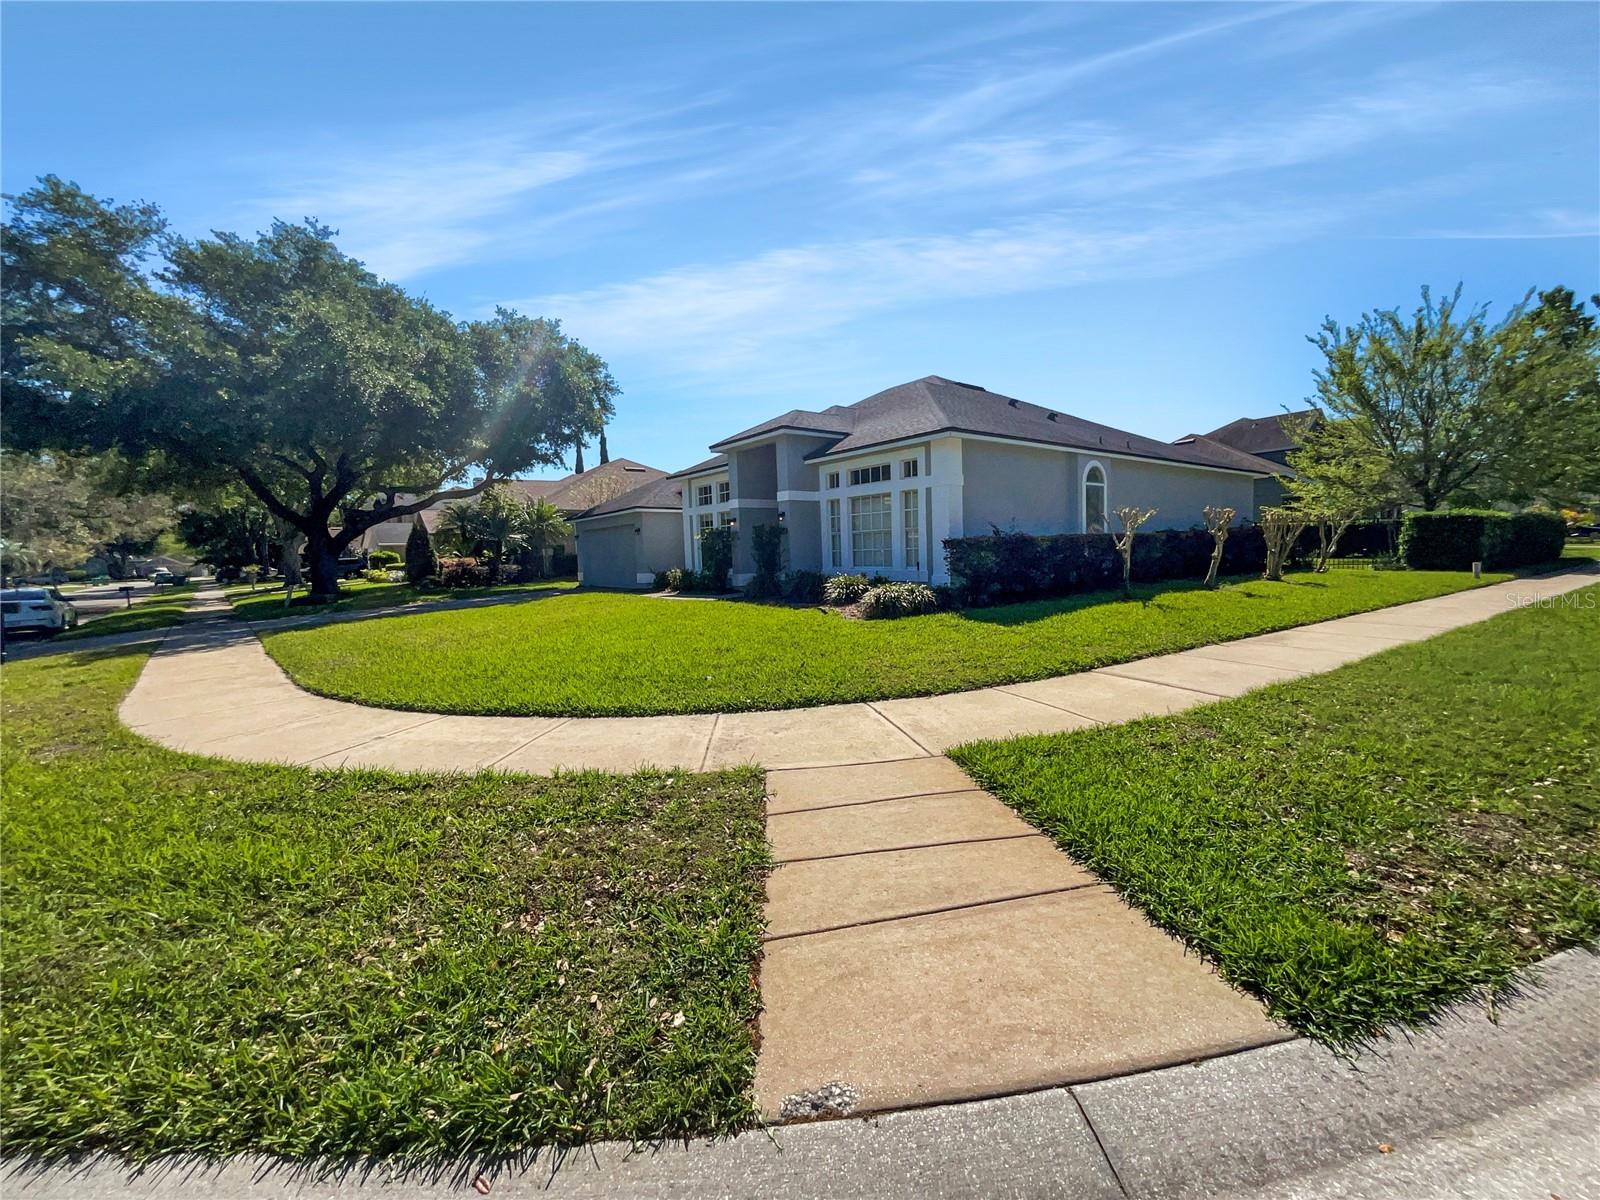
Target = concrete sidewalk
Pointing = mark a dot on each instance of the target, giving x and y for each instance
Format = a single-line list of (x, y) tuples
[(212, 689), (924, 944)]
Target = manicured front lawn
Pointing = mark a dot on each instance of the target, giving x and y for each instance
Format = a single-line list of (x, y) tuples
[(204, 956), (607, 654), (1358, 848), (154, 611), (266, 604)]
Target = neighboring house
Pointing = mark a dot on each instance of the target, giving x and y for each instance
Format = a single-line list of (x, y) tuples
[(877, 486), (572, 494), (624, 541), (1265, 437)]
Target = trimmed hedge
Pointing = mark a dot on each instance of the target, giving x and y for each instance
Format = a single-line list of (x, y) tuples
[(1454, 539), (1003, 567)]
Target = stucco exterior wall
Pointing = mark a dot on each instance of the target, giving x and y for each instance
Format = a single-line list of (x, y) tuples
[(1179, 494), (1019, 487)]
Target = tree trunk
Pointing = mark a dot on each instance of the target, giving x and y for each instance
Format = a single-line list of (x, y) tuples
[(322, 557)]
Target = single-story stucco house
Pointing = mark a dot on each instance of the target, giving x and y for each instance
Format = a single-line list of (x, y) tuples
[(877, 486), (572, 494)]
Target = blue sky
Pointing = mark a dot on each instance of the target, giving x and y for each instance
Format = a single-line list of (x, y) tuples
[(1131, 212)]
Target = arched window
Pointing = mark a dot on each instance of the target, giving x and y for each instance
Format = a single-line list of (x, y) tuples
[(1094, 499)]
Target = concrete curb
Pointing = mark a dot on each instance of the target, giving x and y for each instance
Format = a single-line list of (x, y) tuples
[(1468, 1108)]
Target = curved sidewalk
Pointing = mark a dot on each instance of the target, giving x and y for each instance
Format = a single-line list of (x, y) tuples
[(212, 689), (924, 944)]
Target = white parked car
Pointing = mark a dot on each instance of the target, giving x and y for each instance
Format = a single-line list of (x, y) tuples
[(40, 609)]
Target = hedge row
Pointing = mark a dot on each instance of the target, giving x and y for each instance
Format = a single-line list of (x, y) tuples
[(1006, 566), (1454, 539)]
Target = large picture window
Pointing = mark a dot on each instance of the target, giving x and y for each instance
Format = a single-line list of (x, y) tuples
[(1094, 500), (911, 505), (871, 530), (835, 546)]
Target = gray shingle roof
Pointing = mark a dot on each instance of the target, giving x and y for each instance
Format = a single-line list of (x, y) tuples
[(1260, 435), (710, 464), (665, 492), (935, 405)]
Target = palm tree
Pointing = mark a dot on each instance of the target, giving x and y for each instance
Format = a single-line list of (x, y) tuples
[(499, 521), (543, 527), (459, 528)]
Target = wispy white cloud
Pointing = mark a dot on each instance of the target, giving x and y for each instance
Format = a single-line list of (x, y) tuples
[(707, 320), (1540, 225)]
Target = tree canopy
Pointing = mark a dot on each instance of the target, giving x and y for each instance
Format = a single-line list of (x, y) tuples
[(57, 510), (1441, 404), (275, 362)]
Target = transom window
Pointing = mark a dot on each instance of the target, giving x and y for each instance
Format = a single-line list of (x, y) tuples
[(1094, 499), (877, 474), (909, 468), (702, 495), (871, 530), (910, 502), (724, 490)]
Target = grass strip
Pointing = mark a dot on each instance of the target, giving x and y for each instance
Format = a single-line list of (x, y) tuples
[(1359, 848), (599, 654), (214, 957)]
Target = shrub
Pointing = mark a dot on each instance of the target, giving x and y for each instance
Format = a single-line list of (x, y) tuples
[(76, 576), (803, 587), (716, 558), (382, 560), (466, 573), (1453, 539), (374, 575), (421, 561), (563, 564), (1539, 536), (1006, 566), (840, 590), (898, 600), (766, 547), (675, 579)]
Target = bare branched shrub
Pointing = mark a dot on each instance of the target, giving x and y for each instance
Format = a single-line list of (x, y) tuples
[(1331, 524), (1218, 521), (1131, 519), (1280, 527)]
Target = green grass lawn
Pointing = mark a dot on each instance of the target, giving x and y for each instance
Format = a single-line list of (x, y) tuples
[(1358, 848), (205, 956), (606, 654), (361, 596), (155, 611)]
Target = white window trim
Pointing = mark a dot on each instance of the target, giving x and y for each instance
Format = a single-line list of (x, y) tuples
[(1083, 494)]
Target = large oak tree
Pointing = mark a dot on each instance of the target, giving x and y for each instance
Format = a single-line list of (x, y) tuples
[(275, 362)]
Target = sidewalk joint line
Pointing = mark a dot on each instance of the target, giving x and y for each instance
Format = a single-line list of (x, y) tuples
[(873, 705), (792, 812), (705, 755), (1007, 688), (1002, 837), (1099, 1145), (933, 912), (864, 762), (1181, 687), (489, 766)]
